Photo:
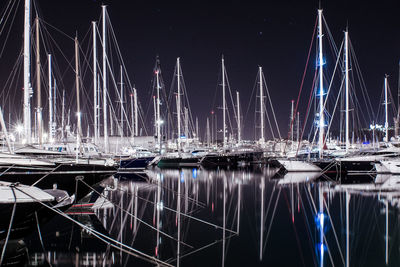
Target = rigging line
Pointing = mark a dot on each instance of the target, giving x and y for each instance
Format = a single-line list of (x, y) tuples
[(304, 75), (60, 51), (199, 203), (334, 232), (5, 11), (9, 30), (58, 30), (99, 235), (232, 101), (308, 110), (272, 219), (251, 97), (132, 215), (294, 228), (13, 74), (206, 246), (269, 121), (362, 83), (310, 241), (12, 186), (213, 107), (272, 107), (327, 94), (47, 174), (118, 49), (269, 203), (41, 239), (6, 170), (47, 41), (326, 98), (333, 114), (6, 14)]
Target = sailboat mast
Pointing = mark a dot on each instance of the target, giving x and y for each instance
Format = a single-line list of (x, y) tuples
[(38, 86), (386, 112), (158, 110), (197, 128), (321, 85), (95, 108), (54, 107), (261, 106), (132, 117), (105, 81), (50, 101), (346, 60), (98, 107), (27, 73), (136, 112), (238, 118), (186, 125), (291, 121), (178, 101), (223, 104), (208, 132), (63, 116), (78, 104), (122, 104), (298, 128), (155, 115)]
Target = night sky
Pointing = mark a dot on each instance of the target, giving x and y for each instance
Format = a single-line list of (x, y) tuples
[(272, 34)]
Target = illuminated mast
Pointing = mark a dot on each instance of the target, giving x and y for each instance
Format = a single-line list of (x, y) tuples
[(95, 115), (321, 86), (105, 82), (386, 112), (27, 74), (238, 118), (223, 104), (346, 55), (261, 107), (158, 121), (178, 103)]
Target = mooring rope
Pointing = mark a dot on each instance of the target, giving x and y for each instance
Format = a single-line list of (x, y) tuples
[(106, 239), (132, 215), (10, 225), (41, 239)]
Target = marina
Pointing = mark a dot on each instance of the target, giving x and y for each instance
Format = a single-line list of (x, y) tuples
[(201, 165)]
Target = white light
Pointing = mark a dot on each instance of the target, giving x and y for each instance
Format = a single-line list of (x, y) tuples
[(19, 128), (78, 114)]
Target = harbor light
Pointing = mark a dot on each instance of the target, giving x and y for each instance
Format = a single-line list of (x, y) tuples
[(19, 128)]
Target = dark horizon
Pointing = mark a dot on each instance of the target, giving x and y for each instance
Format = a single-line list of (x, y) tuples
[(275, 36)]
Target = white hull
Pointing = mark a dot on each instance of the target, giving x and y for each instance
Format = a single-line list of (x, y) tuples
[(299, 166), (388, 166), (298, 177)]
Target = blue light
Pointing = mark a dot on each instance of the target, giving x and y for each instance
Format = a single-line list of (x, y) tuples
[(323, 62), (182, 177), (319, 220), (194, 173)]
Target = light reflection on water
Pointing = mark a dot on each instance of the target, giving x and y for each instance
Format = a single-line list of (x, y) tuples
[(195, 217)]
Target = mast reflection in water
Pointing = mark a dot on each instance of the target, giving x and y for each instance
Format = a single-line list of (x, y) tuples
[(196, 217)]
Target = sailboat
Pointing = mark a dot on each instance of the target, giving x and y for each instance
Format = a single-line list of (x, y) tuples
[(180, 158)]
